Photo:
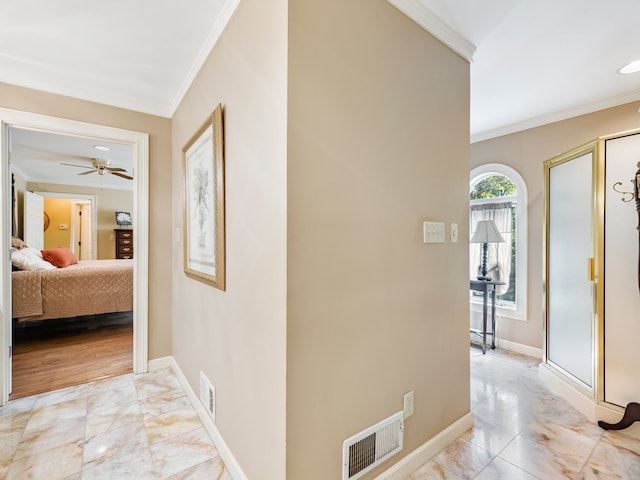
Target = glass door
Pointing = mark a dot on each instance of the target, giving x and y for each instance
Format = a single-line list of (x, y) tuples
[(570, 265)]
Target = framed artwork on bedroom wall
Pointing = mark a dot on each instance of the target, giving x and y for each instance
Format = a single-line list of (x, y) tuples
[(203, 216)]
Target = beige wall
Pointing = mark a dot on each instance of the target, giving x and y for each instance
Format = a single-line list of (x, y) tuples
[(378, 142), (160, 234), (525, 152), (108, 200), (237, 337)]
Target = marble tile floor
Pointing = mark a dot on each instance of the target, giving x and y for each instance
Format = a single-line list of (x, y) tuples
[(524, 432), (125, 427)]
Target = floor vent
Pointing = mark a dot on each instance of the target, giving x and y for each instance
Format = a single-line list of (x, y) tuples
[(369, 448), (208, 395)]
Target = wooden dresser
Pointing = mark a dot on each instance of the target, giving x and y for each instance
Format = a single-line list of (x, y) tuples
[(124, 243)]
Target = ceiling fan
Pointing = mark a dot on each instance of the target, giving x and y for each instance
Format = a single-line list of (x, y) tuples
[(102, 167)]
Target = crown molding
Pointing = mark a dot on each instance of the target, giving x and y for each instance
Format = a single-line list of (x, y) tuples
[(419, 13), (226, 12), (557, 116)]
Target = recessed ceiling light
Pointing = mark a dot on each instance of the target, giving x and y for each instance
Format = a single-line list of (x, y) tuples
[(632, 67), (102, 148)]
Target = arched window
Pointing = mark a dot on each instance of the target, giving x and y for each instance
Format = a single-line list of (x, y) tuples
[(497, 192)]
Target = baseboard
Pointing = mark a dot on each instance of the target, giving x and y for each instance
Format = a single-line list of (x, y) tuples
[(421, 455), (223, 449), (520, 348)]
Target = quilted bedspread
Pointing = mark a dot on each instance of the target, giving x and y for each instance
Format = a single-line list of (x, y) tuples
[(87, 288)]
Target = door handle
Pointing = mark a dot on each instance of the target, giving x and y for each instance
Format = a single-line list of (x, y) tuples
[(591, 269)]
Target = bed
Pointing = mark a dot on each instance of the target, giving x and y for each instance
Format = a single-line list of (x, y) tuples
[(88, 287)]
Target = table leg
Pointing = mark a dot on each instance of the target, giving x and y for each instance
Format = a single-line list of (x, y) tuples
[(484, 322), (493, 319)]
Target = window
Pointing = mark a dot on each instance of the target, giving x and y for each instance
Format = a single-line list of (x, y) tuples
[(498, 193)]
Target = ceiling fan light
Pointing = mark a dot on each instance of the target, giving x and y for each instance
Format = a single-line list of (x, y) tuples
[(631, 67), (102, 148)]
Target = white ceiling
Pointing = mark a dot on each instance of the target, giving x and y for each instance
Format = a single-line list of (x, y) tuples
[(536, 61), (38, 156), (539, 61)]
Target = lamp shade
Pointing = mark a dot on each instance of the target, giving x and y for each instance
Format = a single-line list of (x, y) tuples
[(486, 232)]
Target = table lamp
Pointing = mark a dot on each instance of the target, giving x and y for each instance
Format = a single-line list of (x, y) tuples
[(486, 232)]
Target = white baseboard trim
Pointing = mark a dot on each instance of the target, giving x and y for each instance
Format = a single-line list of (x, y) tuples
[(223, 449), (520, 348), (421, 455)]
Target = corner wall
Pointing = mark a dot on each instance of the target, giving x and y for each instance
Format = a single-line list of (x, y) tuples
[(525, 152), (237, 337), (378, 142)]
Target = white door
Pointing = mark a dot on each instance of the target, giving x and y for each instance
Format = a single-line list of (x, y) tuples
[(86, 246), (82, 229), (33, 220), (570, 315)]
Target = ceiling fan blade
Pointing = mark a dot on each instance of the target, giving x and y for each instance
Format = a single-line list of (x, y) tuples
[(71, 165), (115, 169), (87, 173), (121, 175)]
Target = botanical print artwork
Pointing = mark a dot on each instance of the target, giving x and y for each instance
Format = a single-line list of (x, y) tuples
[(201, 191), (204, 215), (200, 204)]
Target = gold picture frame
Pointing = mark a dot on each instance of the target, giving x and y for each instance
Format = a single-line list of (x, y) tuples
[(203, 203)]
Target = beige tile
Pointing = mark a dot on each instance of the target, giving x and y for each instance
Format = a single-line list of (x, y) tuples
[(54, 464), (58, 434), (491, 437), (611, 459), (432, 471), (48, 416), (112, 417), (115, 443), (464, 459), (561, 440), (171, 424), (498, 469), (183, 452), (135, 466), (540, 461), (164, 403)]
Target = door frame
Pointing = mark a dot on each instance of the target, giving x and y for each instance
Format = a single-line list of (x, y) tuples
[(140, 143)]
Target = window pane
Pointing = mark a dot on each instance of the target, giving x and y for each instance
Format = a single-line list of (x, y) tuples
[(485, 191)]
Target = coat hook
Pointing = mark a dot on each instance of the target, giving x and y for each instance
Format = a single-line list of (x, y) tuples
[(636, 187), (622, 192)]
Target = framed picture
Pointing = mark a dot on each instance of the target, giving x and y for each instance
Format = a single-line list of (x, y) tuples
[(123, 219), (203, 171)]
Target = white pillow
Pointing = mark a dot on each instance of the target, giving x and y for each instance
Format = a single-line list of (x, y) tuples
[(29, 259)]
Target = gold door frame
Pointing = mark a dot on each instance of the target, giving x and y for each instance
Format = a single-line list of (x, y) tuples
[(594, 267)]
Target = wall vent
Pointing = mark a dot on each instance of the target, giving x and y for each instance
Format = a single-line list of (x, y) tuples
[(369, 448), (208, 395)]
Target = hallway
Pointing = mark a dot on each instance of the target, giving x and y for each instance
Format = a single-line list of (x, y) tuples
[(524, 432)]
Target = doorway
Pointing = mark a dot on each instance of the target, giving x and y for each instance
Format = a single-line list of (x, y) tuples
[(139, 143)]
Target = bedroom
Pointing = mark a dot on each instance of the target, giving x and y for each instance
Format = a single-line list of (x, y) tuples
[(73, 206)]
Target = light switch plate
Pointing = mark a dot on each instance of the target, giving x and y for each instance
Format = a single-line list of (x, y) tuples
[(454, 233), (433, 232)]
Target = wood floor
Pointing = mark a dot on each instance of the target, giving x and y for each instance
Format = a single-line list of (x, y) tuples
[(55, 354)]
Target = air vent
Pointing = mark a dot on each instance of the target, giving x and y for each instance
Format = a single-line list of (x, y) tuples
[(208, 395), (369, 448)]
